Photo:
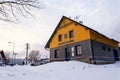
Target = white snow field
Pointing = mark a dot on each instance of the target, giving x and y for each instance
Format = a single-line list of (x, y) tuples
[(71, 70)]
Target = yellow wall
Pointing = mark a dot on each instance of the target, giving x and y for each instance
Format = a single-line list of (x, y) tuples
[(80, 33), (97, 37)]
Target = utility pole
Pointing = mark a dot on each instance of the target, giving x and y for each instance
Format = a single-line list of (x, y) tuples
[(27, 47), (13, 62)]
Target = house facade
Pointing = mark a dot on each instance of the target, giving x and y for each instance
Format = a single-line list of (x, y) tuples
[(72, 40)]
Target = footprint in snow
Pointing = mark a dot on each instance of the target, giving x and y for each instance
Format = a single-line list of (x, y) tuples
[(11, 75), (84, 68)]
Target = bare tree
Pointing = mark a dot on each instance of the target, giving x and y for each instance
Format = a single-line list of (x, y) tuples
[(7, 55), (10, 10), (34, 55)]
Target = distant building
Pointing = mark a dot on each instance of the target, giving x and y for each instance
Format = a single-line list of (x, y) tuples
[(2, 57), (72, 40)]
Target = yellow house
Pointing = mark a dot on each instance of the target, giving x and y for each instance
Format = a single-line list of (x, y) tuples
[(72, 40)]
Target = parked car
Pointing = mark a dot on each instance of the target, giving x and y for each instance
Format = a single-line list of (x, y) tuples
[(39, 62), (1, 63)]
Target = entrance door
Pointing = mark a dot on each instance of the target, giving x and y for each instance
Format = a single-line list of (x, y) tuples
[(116, 57), (67, 53)]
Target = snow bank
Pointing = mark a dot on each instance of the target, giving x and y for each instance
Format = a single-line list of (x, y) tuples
[(71, 70)]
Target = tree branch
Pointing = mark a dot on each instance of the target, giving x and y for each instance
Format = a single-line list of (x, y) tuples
[(10, 9)]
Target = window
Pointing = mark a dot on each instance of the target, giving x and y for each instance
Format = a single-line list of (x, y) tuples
[(60, 37), (78, 50), (65, 35), (71, 35), (109, 49), (72, 49), (103, 47), (56, 53)]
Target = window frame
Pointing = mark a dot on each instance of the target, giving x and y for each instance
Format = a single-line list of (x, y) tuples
[(103, 48), (109, 49), (78, 49), (60, 37), (56, 52), (72, 50), (71, 34)]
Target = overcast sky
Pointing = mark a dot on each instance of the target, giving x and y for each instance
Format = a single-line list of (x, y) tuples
[(100, 15)]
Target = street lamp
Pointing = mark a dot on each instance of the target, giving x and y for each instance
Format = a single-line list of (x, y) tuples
[(13, 51), (27, 47)]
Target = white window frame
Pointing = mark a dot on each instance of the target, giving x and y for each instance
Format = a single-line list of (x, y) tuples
[(72, 50), (78, 50)]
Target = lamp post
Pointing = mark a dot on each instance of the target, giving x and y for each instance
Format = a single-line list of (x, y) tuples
[(27, 47), (13, 52), (15, 58)]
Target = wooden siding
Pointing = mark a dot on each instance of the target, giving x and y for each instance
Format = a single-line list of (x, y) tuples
[(80, 33), (100, 38)]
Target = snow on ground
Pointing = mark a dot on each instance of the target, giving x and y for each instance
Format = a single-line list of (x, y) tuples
[(71, 70)]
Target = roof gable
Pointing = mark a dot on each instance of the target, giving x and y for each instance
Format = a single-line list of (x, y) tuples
[(60, 25), (63, 23)]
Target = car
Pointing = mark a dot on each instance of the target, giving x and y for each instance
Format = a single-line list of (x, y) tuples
[(38, 62), (1, 62)]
